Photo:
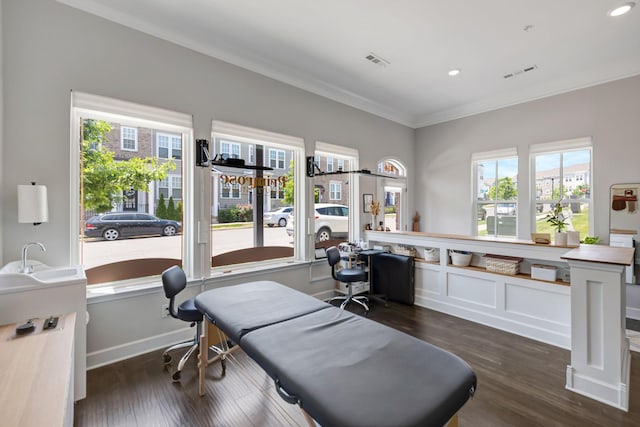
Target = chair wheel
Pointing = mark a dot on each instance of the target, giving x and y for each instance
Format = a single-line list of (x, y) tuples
[(175, 377), (223, 363), (166, 358)]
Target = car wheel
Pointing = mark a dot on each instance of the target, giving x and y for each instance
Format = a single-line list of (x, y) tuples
[(282, 222), (111, 234), (323, 235), (169, 230)]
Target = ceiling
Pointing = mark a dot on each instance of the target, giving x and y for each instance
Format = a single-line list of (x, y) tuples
[(320, 46)]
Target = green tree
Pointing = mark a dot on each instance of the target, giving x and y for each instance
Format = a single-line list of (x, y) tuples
[(161, 209), (580, 191), (171, 209), (103, 178), (289, 187), (506, 190)]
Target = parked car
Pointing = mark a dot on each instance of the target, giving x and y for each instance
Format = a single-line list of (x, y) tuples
[(113, 225), (331, 221), (278, 217)]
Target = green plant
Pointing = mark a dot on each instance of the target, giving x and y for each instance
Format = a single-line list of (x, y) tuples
[(591, 240), (161, 208), (556, 217)]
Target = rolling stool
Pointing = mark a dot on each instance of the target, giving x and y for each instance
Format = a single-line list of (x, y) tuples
[(347, 276)]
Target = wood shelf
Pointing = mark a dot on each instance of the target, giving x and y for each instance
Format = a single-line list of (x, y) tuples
[(519, 275)]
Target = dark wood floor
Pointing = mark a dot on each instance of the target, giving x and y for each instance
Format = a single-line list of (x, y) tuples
[(520, 383)]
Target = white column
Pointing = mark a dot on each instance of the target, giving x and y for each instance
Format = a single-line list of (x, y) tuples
[(600, 357)]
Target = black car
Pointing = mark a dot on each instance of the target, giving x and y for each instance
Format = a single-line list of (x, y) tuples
[(114, 225)]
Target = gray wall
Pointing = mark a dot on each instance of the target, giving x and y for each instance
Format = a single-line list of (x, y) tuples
[(55, 49), (1, 124), (51, 49), (608, 113)]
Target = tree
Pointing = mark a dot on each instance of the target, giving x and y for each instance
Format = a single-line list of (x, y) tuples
[(104, 179), (506, 190), (161, 209), (171, 209), (289, 187)]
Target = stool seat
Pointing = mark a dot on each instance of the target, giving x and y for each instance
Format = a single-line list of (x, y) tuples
[(188, 311), (351, 275)]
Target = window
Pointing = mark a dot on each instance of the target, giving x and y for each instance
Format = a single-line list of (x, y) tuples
[(340, 164), (247, 196), (276, 191), (231, 149), (335, 190), (396, 216), (129, 138), (336, 218), (496, 190), (276, 158), (561, 173), (231, 191), (128, 189), (169, 146)]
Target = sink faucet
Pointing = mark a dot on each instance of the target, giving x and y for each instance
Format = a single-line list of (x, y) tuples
[(24, 268)]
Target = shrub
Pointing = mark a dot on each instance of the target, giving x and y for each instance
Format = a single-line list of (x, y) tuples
[(161, 209)]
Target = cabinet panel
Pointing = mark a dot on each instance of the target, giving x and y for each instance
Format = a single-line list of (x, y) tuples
[(539, 304), (471, 289)]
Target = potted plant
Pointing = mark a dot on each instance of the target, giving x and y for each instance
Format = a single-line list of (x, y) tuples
[(558, 222)]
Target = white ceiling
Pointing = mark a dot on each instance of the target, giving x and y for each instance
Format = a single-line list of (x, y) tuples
[(320, 46)]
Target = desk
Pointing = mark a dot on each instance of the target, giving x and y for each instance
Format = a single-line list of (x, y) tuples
[(37, 375)]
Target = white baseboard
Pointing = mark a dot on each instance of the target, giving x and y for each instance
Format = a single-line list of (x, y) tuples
[(135, 348)]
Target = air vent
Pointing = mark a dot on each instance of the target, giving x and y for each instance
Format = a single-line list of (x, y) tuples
[(377, 59), (518, 72)]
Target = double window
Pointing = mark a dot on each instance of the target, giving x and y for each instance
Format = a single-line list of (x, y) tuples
[(169, 146), (276, 158)]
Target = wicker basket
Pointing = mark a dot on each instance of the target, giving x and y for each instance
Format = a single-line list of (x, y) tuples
[(400, 250), (503, 264)]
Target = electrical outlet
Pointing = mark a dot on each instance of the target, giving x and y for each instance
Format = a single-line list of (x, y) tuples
[(165, 310)]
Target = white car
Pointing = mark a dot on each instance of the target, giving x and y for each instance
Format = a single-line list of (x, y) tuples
[(278, 217), (331, 221)]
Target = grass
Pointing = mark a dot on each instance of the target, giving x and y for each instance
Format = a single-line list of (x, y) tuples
[(579, 222)]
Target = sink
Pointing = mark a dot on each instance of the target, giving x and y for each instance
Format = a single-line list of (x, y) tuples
[(56, 274), (43, 275)]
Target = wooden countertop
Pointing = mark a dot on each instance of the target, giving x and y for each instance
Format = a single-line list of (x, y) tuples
[(621, 231), (468, 238), (601, 254), (35, 374)]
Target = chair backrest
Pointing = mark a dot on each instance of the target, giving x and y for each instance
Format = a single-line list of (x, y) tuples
[(333, 256), (173, 281)]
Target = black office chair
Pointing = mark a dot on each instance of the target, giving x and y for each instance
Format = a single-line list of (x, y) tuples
[(347, 276), (174, 281)]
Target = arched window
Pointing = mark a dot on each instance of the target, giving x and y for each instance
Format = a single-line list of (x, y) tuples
[(394, 194)]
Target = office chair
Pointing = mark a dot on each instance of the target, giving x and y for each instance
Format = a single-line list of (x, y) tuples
[(174, 281), (347, 276)]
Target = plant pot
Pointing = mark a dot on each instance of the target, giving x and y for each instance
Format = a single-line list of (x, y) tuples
[(416, 226), (560, 239), (573, 238)]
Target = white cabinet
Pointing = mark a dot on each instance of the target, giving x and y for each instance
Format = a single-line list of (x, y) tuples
[(537, 309), (624, 240)]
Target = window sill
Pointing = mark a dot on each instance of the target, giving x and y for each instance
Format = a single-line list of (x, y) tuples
[(149, 285)]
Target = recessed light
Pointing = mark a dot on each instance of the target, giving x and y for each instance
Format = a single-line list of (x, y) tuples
[(622, 9), (454, 72)]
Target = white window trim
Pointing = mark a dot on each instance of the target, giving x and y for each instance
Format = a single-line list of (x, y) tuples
[(575, 144), (277, 151), (231, 145), (505, 153), (135, 138), (84, 105), (329, 163)]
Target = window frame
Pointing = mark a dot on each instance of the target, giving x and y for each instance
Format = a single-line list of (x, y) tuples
[(333, 194), (493, 156), (561, 147), (275, 162), (134, 139)]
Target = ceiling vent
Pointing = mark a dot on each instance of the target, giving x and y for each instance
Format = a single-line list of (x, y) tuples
[(377, 59), (519, 72)]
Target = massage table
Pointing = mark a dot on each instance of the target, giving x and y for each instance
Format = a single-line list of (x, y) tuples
[(341, 369)]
